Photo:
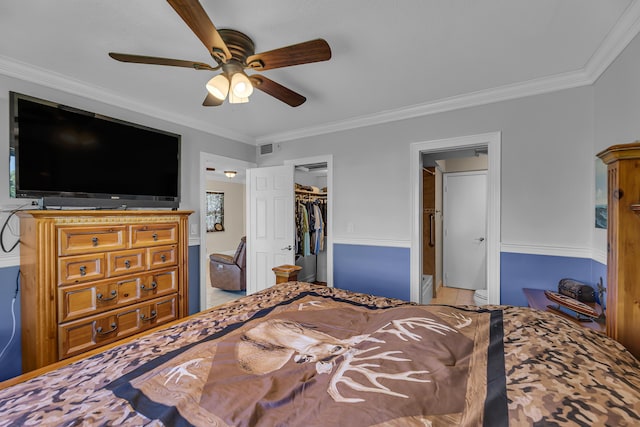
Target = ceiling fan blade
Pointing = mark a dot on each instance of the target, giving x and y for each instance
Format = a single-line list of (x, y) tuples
[(276, 90), (194, 15), (301, 53), (212, 101), (140, 59)]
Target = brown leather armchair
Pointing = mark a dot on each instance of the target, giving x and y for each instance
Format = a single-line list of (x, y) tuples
[(227, 272)]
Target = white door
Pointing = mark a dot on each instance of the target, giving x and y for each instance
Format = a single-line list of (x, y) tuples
[(270, 225), (464, 228)]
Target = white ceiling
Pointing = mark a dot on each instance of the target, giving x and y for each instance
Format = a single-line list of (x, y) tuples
[(391, 59)]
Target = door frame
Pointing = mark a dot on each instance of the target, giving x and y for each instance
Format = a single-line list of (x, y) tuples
[(492, 141), (204, 256), (328, 159)]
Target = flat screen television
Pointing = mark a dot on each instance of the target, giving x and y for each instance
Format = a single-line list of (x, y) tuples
[(65, 156)]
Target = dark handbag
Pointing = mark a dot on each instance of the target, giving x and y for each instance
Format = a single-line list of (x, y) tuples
[(576, 290)]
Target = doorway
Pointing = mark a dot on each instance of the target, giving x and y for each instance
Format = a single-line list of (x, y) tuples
[(317, 172), (223, 239), (267, 251), (490, 142), (310, 181)]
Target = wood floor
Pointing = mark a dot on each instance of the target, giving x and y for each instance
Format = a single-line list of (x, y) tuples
[(217, 296), (454, 296)]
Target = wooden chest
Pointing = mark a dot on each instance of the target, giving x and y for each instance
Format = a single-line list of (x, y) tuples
[(90, 278)]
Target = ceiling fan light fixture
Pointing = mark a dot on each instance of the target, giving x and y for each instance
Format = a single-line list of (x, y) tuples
[(240, 85), (218, 86), (233, 99)]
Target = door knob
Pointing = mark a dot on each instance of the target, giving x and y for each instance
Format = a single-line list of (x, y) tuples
[(480, 239), (287, 248)]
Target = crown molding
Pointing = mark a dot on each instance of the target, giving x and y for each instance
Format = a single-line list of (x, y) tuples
[(19, 70), (614, 43), (474, 99)]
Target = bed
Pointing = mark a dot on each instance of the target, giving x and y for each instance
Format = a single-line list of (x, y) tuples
[(299, 354)]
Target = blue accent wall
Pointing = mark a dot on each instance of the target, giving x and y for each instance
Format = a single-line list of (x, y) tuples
[(11, 360), (194, 279), (384, 271), (377, 270), (518, 271)]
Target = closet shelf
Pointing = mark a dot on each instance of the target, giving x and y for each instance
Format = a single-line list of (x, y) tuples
[(310, 193)]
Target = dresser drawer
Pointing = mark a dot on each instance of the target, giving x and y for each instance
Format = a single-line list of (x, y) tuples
[(153, 234), (126, 262), (80, 268), (162, 256), (85, 334), (87, 299), (160, 283), (84, 240)]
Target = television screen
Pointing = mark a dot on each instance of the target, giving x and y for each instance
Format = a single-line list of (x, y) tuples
[(62, 153)]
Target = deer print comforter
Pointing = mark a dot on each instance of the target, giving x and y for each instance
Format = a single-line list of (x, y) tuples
[(305, 355)]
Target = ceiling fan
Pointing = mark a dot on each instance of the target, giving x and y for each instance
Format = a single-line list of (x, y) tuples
[(233, 52)]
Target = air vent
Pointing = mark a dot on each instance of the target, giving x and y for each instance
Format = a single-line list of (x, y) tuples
[(266, 149)]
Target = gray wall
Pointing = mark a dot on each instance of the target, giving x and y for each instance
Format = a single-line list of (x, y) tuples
[(617, 112), (547, 169)]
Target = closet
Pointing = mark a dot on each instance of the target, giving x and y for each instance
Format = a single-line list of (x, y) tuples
[(311, 222)]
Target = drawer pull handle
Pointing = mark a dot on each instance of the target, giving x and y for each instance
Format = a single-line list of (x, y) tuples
[(127, 263), (114, 295), (94, 241), (153, 286), (83, 270), (163, 257), (146, 319), (114, 327), (155, 236)]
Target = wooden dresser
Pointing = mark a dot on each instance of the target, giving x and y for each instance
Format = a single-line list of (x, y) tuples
[(91, 277), (623, 244)]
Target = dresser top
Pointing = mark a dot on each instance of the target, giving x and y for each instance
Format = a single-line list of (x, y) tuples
[(50, 213)]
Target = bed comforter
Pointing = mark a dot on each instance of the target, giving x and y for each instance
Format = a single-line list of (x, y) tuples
[(307, 355)]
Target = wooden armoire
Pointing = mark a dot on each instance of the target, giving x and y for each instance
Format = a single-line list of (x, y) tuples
[(623, 244)]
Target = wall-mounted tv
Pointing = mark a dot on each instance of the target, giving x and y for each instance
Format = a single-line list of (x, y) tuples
[(65, 156)]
